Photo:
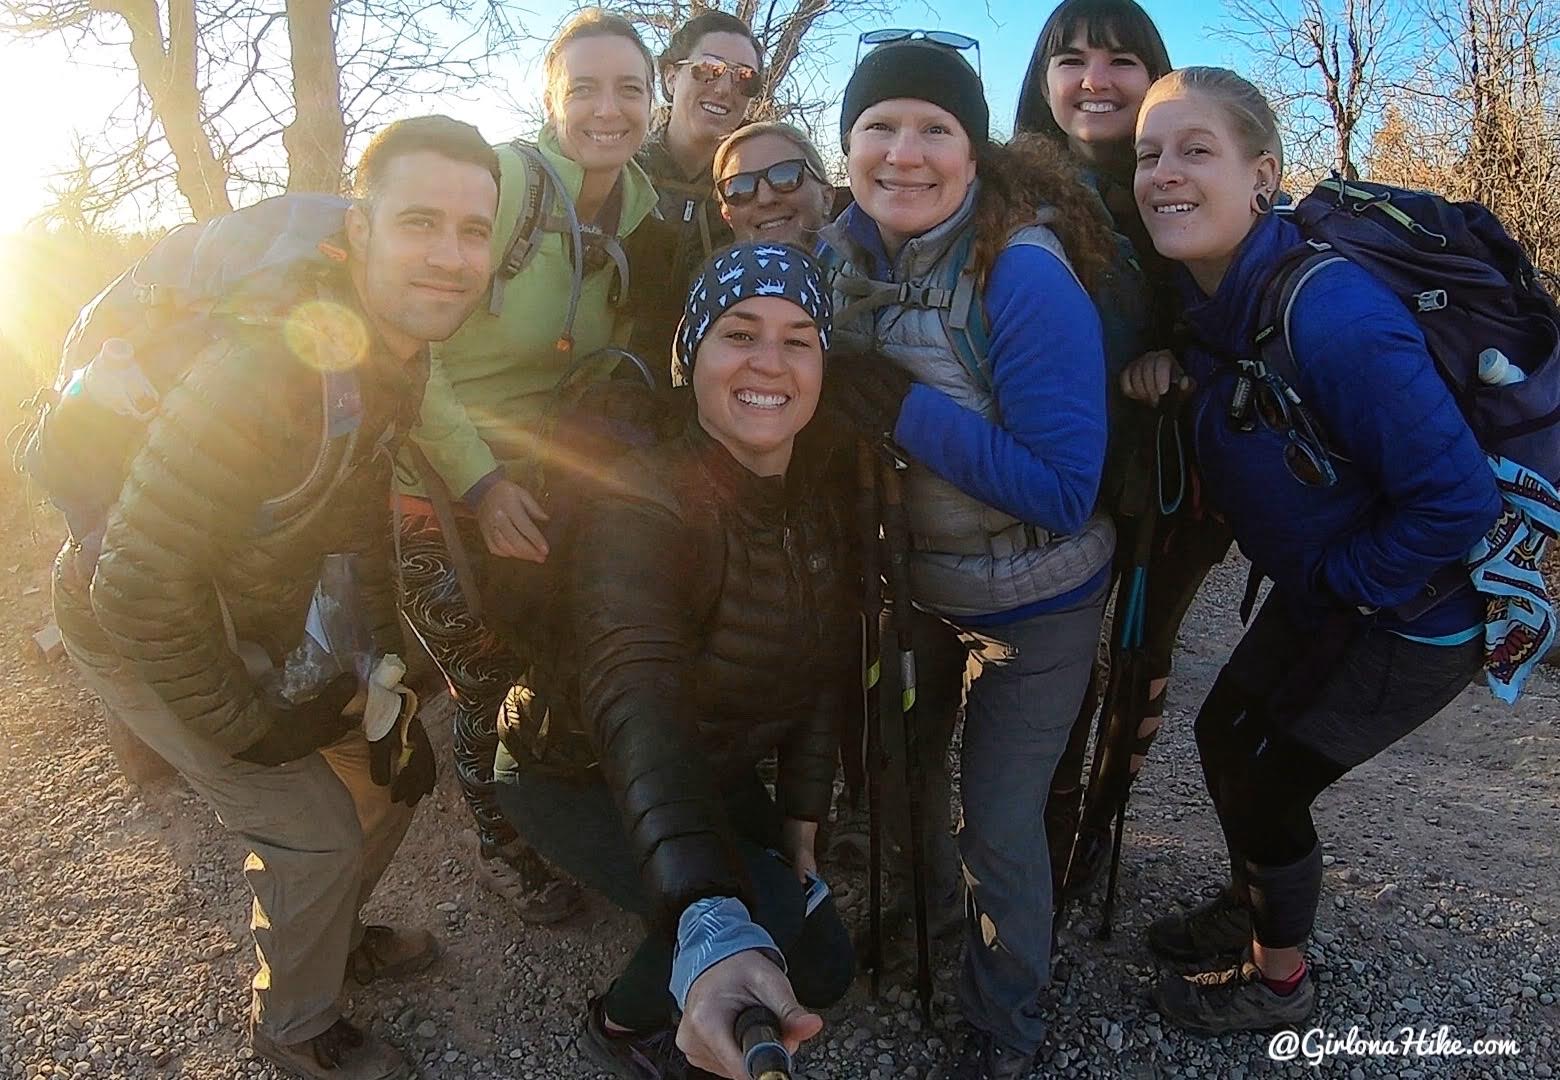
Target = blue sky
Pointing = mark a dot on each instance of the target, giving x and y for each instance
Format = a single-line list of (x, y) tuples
[(54, 92)]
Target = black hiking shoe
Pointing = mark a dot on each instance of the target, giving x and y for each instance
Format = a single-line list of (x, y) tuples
[(1216, 928), (984, 1058), (651, 1056), (1232, 999)]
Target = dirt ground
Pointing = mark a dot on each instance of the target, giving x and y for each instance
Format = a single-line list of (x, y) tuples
[(123, 913)]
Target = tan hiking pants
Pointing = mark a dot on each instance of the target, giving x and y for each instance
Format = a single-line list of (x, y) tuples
[(321, 833)]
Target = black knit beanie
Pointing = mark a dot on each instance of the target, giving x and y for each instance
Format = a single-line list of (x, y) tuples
[(923, 71)]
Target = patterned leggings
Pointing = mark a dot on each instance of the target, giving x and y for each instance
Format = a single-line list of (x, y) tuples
[(477, 665)]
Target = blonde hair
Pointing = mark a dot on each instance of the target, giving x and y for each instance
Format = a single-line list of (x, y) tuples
[(590, 22), (793, 135), (1243, 104)]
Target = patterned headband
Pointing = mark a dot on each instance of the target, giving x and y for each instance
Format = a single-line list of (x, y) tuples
[(743, 271)]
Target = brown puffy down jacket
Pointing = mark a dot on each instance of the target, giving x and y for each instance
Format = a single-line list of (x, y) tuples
[(711, 620), (244, 426)]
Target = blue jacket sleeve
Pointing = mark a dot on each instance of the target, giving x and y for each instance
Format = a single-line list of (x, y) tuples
[(1368, 374), (1042, 462)]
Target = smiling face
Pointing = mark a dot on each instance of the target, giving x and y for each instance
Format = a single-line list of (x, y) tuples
[(421, 257), (910, 165), (792, 217), (1094, 94), (704, 113), (756, 380), (599, 101), (1196, 183)]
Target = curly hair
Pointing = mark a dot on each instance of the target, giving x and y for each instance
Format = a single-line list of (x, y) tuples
[(1029, 176)]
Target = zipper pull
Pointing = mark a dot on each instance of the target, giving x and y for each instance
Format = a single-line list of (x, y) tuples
[(688, 208)]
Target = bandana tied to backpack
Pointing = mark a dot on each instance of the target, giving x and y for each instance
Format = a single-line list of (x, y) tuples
[(1507, 567)]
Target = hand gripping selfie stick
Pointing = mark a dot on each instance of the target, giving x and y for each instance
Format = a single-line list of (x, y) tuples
[(764, 1056)]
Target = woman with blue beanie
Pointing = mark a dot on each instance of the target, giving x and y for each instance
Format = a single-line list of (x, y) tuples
[(708, 620), (1350, 489), (1004, 434)]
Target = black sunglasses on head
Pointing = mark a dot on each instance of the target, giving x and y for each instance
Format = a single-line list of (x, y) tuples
[(946, 38), (783, 177)]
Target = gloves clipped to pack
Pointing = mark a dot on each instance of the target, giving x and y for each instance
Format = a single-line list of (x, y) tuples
[(400, 756)]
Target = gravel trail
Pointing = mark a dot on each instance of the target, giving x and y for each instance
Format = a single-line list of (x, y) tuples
[(123, 913)]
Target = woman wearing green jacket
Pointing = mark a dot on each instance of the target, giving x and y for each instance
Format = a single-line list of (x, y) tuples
[(490, 383)]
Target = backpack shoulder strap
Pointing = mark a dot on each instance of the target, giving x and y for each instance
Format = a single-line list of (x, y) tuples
[(1276, 312), (968, 328), (530, 223)]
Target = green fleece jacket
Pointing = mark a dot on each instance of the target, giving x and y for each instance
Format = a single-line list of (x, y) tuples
[(488, 384)]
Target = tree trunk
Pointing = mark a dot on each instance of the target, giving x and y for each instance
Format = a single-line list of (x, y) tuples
[(168, 74), (316, 140)]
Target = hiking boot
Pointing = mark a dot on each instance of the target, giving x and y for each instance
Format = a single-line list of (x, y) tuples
[(1232, 999), (388, 953), (340, 1052), (1215, 928), (984, 1058), (652, 1056), (518, 875)]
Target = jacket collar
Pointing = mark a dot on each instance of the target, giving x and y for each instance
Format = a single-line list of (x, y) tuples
[(1226, 322), (637, 191), (733, 482), (856, 236), (656, 156)]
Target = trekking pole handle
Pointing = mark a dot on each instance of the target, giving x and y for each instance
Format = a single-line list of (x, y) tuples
[(764, 1056)]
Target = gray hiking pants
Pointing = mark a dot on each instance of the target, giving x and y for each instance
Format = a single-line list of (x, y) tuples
[(320, 832), (1018, 712)]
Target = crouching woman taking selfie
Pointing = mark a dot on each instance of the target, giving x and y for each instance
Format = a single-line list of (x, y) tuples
[(708, 621)]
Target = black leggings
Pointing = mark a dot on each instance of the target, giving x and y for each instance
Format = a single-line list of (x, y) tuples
[(575, 825), (1293, 710), (476, 663)]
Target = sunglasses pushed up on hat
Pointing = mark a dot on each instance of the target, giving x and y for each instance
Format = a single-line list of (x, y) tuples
[(948, 39), (783, 177), (745, 79)]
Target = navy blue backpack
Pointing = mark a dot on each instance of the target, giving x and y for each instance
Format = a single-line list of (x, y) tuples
[(1468, 284)]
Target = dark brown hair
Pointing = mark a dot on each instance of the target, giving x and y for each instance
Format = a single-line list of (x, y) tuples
[(1107, 24), (689, 34), (442, 135), (1029, 176)]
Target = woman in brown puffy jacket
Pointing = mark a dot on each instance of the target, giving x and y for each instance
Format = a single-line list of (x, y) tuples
[(709, 623)]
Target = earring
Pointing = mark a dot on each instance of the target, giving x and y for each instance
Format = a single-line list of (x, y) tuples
[(1264, 204)]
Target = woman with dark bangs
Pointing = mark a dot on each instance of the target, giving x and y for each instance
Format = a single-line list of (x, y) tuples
[(1093, 64)]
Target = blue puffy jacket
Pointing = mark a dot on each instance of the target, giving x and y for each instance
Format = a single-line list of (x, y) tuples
[(1414, 491)]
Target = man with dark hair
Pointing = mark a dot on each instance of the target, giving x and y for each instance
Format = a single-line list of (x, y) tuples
[(267, 454)]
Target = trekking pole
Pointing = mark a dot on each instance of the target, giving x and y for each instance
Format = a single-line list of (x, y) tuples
[(896, 530), (872, 670), (764, 1056), (1127, 701)]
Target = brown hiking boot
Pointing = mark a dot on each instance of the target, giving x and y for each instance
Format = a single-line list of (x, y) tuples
[(388, 953), (518, 875), (340, 1052)]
